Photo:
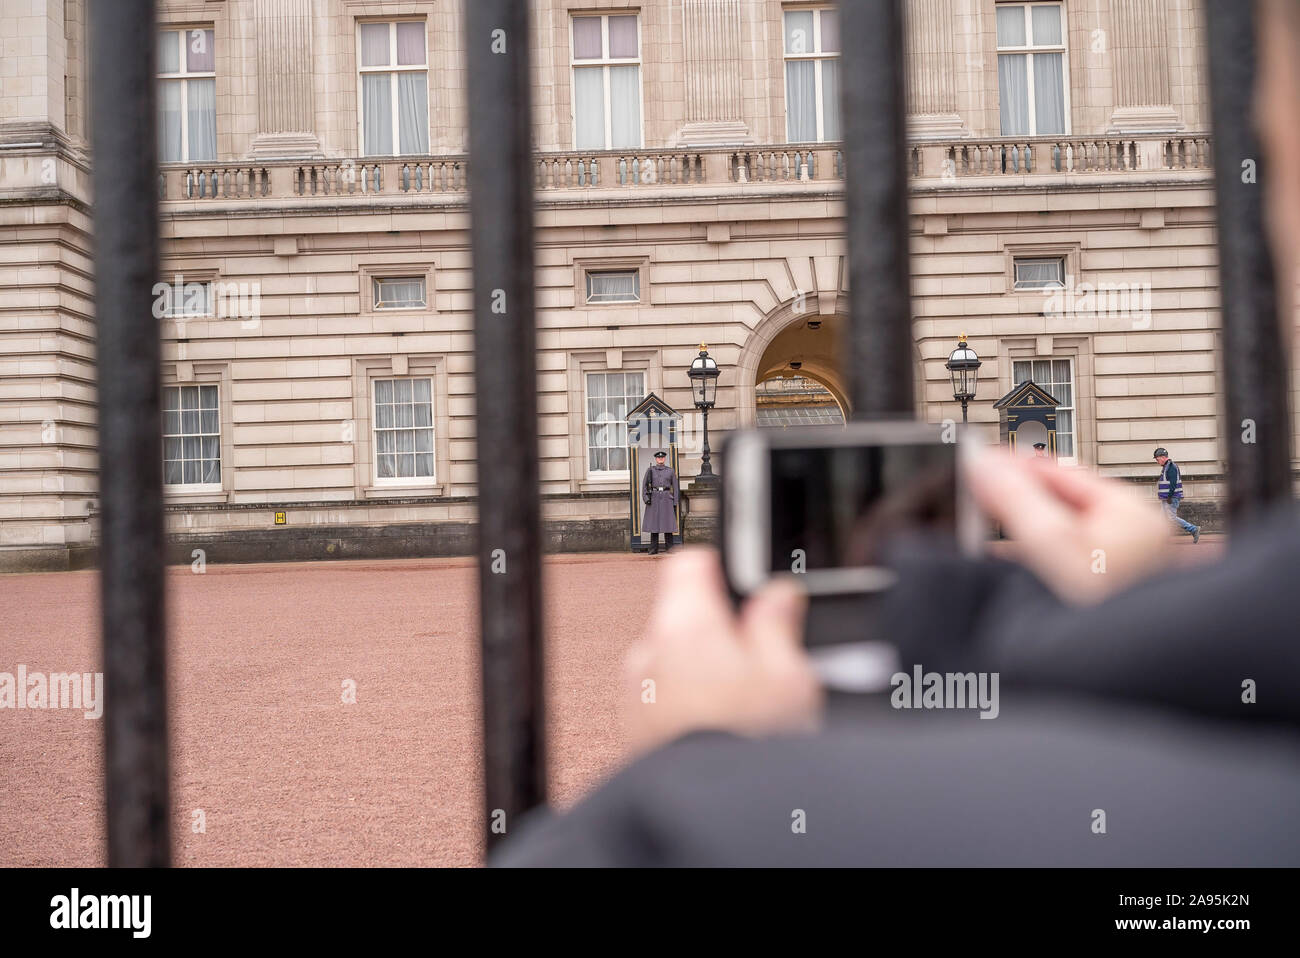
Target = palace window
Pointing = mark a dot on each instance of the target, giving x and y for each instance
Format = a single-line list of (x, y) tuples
[(1040, 272), (187, 96), (812, 75), (1057, 377), (606, 82), (399, 292), (404, 430), (393, 88), (610, 395), (614, 286), (191, 436), (181, 300), (1034, 94)]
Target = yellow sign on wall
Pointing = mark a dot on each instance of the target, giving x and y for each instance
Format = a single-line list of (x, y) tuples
[(281, 519)]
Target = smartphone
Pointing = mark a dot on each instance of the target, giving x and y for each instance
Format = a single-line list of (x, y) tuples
[(824, 502)]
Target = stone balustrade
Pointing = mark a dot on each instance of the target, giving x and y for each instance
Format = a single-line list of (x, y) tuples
[(956, 160), (968, 162)]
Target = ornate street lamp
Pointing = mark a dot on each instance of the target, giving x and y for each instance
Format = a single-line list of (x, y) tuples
[(704, 390), (964, 366)]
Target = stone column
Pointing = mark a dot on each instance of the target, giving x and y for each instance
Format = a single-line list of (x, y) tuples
[(1140, 47), (931, 70), (286, 115), (711, 45)]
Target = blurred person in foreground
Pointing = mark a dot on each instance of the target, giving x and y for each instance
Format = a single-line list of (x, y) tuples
[(1169, 703)]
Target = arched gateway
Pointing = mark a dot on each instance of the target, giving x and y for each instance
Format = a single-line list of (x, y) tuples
[(793, 340)]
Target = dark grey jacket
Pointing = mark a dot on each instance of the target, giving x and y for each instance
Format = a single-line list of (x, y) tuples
[(659, 491), (1134, 708)]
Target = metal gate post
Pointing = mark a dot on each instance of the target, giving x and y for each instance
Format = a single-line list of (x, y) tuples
[(1258, 428), (131, 560), (880, 349), (505, 381)]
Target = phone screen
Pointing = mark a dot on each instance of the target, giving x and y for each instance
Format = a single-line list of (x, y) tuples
[(839, 507)]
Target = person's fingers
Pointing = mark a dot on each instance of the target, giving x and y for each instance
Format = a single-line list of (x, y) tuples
[(1079, 487), (692, 596), (1012, 494), (772, 620)]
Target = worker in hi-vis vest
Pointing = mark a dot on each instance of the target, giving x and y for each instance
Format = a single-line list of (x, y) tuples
[(1170, 491)]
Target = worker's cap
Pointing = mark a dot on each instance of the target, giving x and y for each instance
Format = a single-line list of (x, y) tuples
[(660, 454), (1040, 445), (1161, 451)]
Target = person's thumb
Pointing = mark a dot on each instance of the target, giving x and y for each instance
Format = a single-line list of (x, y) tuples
[(772, 620)]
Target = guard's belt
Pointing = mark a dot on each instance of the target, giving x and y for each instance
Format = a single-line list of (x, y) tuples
[(661, 488)]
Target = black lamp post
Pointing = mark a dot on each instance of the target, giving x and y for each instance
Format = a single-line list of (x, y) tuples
[(964, 366), (704, 389)]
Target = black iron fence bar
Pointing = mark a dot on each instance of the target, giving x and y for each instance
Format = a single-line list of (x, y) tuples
[(122, 42), (880, 350), (505, 374), (1257, 436)]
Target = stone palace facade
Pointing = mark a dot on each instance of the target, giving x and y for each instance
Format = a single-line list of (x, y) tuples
[(315, 297)]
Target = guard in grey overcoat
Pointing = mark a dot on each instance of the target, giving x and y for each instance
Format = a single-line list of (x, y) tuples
[(659, 490)]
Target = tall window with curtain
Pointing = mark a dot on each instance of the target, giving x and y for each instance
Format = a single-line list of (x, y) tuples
[(1034, 94), (403, 430), (393, 85), (1057, 377), (609, 397), (187, 95), (606, 82), (812, 75), (191, 437)]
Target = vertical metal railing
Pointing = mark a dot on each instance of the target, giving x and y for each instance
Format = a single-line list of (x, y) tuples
[(505, 380), (500, 180), (122, 38), (1257, 437), (880, 349)]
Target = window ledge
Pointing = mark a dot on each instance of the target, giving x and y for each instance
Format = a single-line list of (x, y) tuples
[(602, 485), (403, 492), (199, 495)]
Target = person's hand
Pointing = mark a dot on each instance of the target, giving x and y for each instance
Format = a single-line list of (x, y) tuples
[(1085, 536), (699, 666)]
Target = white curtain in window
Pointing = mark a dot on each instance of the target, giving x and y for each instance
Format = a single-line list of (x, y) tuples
[(830, 98), (799, 32), (396, 293), (1065, 433), (1047, 25), (597, 453), (1013, 89), (801, 100), (1011, 26), (168, 53), (1049, 94), (200, 55), (376, 107), (210, 470), (169, 121), (586, 38), (622, 37), (413, 112), (375, 51), (589, 108), (830, 27), (613, 287), (624, 106), (202, 116), (1047, 273), (411, 50)]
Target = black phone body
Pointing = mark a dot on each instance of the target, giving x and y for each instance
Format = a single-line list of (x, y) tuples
[(823, 502)]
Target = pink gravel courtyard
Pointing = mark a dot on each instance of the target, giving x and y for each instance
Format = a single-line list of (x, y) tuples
[(283, 771)]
